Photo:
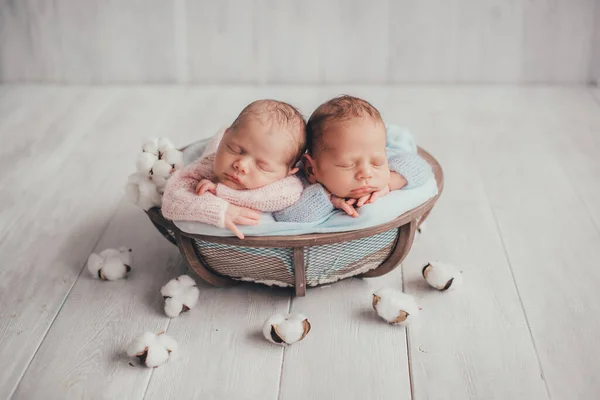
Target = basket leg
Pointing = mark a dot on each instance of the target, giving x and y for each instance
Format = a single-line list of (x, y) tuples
[(406, 235), (186, 248), (299, 272)]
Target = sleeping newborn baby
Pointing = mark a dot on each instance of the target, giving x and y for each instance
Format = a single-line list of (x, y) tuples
[(346, 165), (251, 170)]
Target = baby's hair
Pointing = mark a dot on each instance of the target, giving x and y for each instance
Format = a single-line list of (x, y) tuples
[(281, 114), (338, 109)]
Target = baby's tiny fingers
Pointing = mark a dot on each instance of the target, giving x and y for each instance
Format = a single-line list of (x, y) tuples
[(251, 214), (349, 209), (246, 221), (374, 197), (351, 201), (231, 226), (363, 200)]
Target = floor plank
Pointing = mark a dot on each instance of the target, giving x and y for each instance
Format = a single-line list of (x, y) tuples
[(551, 242), (19, 103), (349, 353), (224, 354), (473, 342), (47, 142), (62, 225), (574, 139), (90, 361), (26, 116)]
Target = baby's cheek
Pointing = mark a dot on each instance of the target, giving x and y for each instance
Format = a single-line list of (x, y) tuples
[(344, 181), (385, 179)]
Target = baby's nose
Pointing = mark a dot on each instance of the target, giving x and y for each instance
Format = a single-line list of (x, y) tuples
[(364, 173), (240, 166)]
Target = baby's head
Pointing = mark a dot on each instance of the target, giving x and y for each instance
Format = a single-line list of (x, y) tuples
[(262, 145), (346, 147)]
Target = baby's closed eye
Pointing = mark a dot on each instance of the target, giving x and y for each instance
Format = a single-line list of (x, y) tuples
[(264, 167), (234, 149), (346, 165)]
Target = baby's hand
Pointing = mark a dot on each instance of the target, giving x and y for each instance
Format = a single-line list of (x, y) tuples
[(235, 215), (343, 204), (206, 186), (371, 197)]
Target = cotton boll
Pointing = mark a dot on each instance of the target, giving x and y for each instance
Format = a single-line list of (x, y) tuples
[(180, 295), (174, 158), (178, 304), (175, 286), (168, 343), (162, 169), (110, 264), (442, 276), (161, 184), (286, 330), (108, 253), (147, 187), (132, 188), (126, 255), (164, 145), (94, 264), (395, 307), (186, 281), (140, 343), (190, 297), (155, 356), (151, 146), (149, 195), (144, 162), (174, 307), (161, 172), (113, 268), (152, 349), (170, 288)]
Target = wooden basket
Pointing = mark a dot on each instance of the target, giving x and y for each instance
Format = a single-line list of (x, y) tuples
[(302, 260)]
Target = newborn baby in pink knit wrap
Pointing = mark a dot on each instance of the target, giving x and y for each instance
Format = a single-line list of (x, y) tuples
[(251, 170)]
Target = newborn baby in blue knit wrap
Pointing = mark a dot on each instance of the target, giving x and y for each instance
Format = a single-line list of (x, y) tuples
[(346, 165)]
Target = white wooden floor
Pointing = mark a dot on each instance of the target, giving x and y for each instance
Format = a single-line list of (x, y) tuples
[(520, 214)]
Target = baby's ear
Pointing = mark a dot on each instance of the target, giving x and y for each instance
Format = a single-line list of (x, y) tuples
[(309, 168)]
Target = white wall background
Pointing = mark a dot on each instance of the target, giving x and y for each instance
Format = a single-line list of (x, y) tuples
[(300, 41)]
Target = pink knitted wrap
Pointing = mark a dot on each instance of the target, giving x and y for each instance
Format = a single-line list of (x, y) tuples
[(180, 201)]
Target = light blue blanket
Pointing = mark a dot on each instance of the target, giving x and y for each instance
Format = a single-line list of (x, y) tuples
[(385, 209)]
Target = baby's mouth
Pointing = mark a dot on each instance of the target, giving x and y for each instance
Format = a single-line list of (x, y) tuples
[(232, 178), (235, 180), (363, 189)]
